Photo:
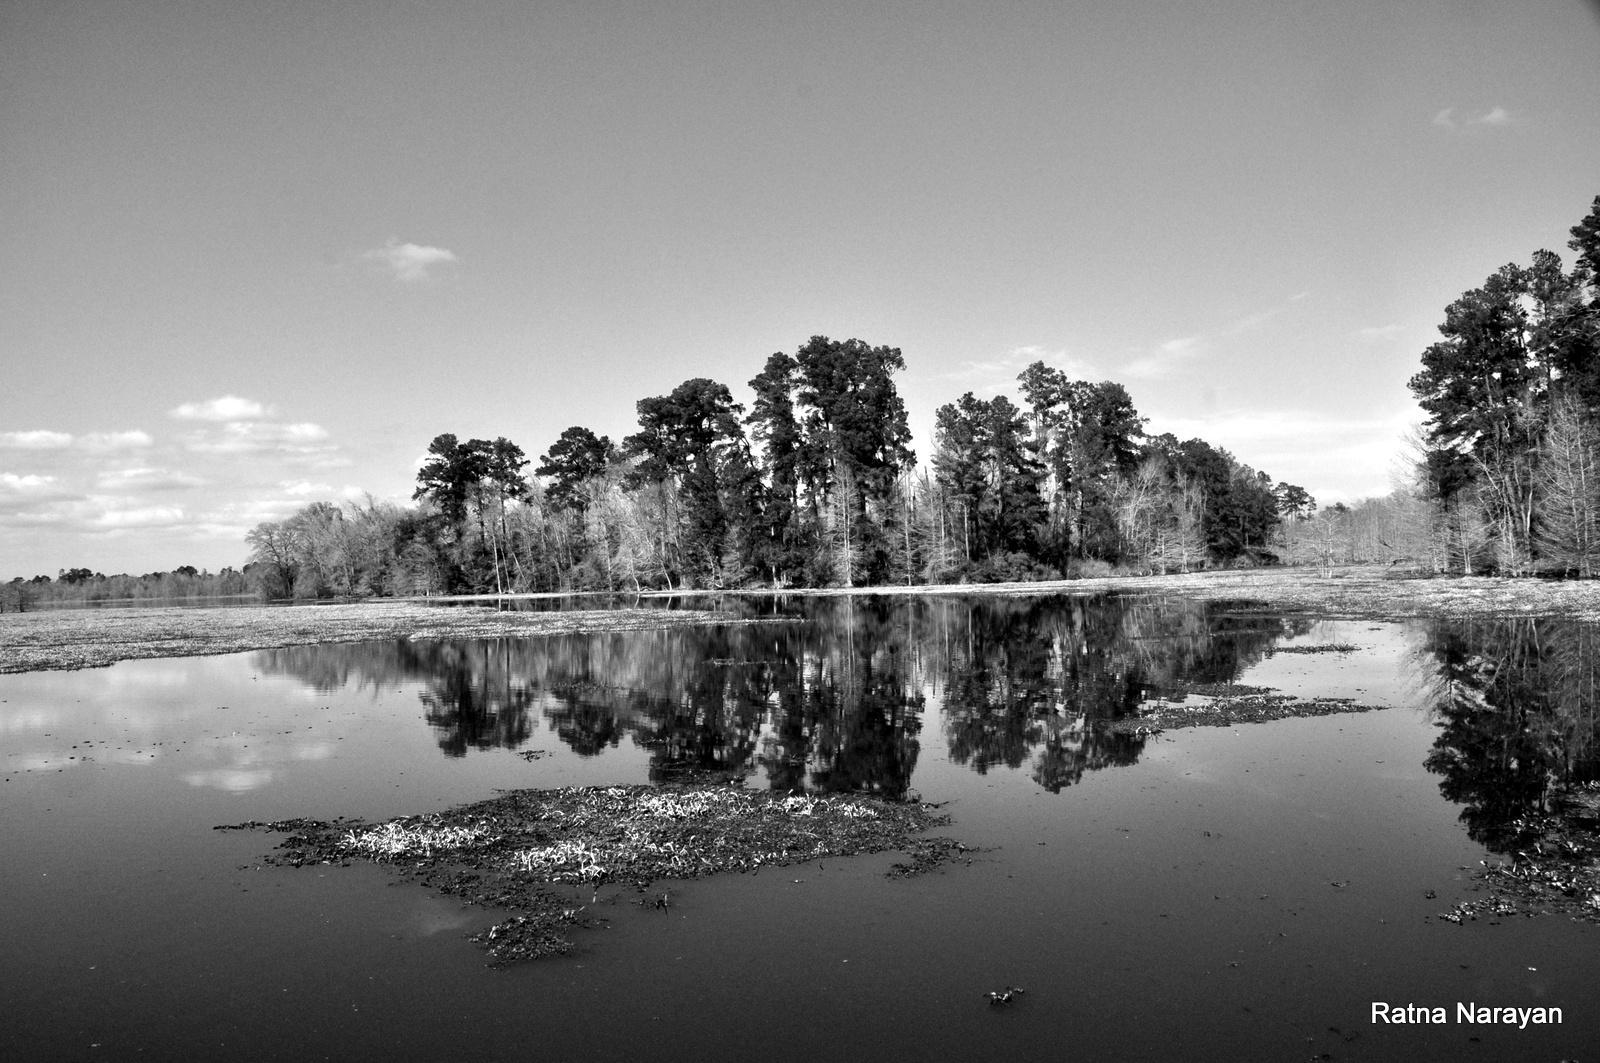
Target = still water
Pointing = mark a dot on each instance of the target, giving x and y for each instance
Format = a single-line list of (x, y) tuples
[(1216, 893)]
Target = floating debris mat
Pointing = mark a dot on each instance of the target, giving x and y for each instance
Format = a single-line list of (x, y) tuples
[(525, 849)]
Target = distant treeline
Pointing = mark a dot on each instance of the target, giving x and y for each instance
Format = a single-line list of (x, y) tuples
[(80, 586)]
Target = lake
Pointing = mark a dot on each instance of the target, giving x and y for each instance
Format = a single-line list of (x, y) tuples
[(1238, 892)]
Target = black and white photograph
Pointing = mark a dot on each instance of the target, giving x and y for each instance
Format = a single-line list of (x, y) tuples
[(740, 530)]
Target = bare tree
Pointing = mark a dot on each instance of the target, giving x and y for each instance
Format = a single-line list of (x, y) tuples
[(1568, 534)]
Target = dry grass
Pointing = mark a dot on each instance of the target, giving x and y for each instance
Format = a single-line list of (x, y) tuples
[(94, 638)]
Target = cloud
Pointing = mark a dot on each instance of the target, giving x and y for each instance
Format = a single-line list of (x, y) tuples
[(254, 437), (409, 262), (1333, 457), (1495, 116), (1373, 333), (142, 517), (146, 479), (993, 376), (39, 439), (29, 498), (1166, 359), (108, 441), (226, 408), (11, 483), (301, 488)]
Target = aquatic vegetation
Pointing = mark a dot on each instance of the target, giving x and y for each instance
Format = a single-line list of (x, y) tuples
[(518, 849), (1224, 710), (998, 998), (403, 838)]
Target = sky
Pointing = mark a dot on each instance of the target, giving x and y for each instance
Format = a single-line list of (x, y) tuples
[(259, 255)]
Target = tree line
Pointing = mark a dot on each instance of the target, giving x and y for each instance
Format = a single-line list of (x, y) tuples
[(81, 586), (815, 484)]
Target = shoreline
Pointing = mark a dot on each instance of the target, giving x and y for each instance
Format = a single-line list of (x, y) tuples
[(62, 639)]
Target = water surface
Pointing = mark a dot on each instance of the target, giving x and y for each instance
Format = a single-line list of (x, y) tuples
[(1220, 893)]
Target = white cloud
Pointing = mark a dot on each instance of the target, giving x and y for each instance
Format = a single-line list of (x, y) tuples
[(143, 517), (1166, 359), (301, 488), (1495, 116), (107, 441), (995, 375), (225, 408), (251, 437), (1380, 332), (145, 479), (29, 498), (409, 262), (1333, 457), (39, 439), (11, 483)]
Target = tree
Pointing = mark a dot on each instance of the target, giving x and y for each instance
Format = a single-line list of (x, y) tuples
[(475, 480), (275, 556), (855, 439), (1087, 437), (775, 427), (686, 447), (1508, 347), (576, 458), (449, 477), (1241, 514), (985, 467), (1293, 501), (854, 414), (1569, 488)]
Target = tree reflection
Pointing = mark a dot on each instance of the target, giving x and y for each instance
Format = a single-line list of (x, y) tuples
[(832, 696), (1515, 701), (1030, 678)]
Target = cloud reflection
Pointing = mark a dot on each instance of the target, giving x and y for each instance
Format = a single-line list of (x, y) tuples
[(232, 780)]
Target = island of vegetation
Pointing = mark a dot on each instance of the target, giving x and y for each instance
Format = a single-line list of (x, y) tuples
[(546, 855)]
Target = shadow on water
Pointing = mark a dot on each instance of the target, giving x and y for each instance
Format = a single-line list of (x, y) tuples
[(832, 703)]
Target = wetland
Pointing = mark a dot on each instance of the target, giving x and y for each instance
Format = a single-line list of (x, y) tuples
[(1207, 827)]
